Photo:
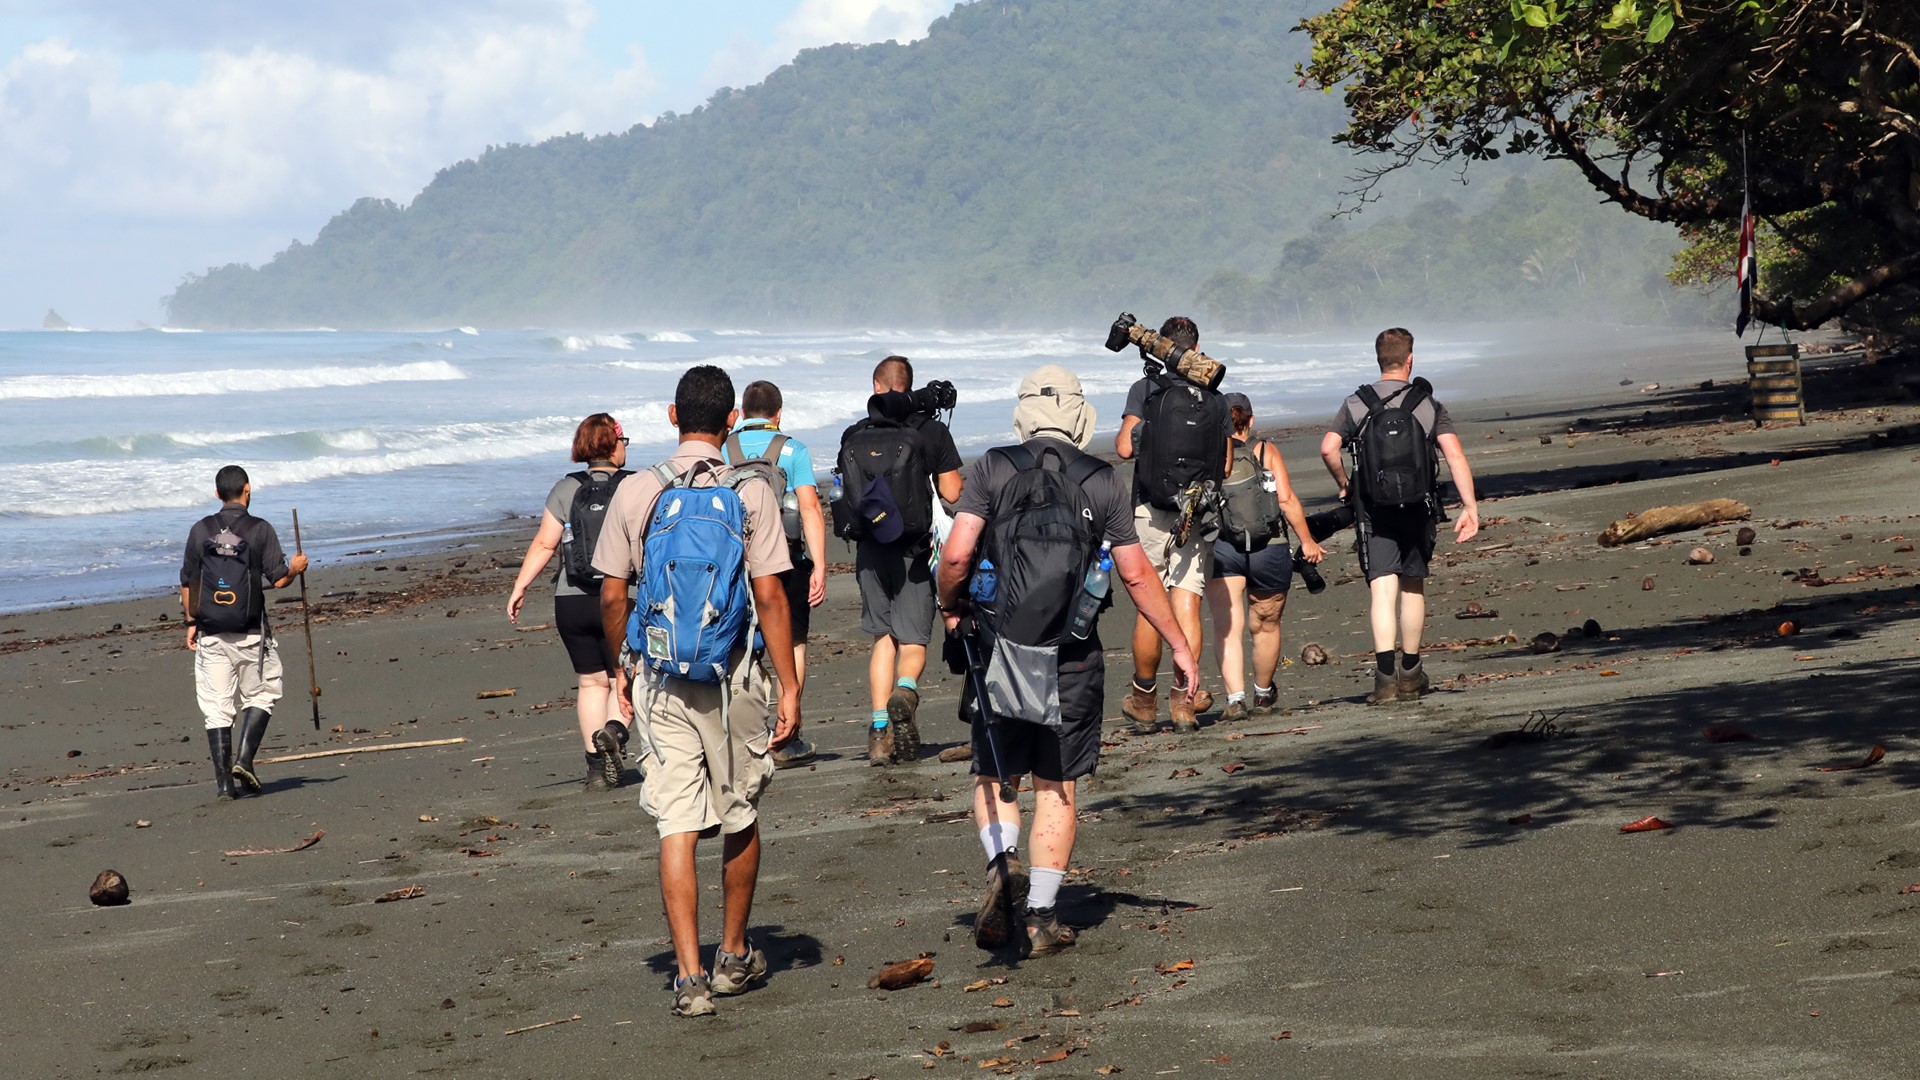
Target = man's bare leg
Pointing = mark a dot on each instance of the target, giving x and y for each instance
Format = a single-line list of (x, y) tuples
[(740, 863), (680, 891)]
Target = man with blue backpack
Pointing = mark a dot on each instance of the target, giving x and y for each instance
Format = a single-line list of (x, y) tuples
[(1040, 528), (706, 543), (1396, 432), (230, 557)]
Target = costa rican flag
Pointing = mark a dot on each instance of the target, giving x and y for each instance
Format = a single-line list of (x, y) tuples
[(1748, 270)]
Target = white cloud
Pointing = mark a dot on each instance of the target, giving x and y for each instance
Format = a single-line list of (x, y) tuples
[(273, 127), (824, 22)]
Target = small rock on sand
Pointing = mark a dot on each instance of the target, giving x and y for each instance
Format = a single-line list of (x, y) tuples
[(109, 889), (1746, 536), (1546, 642), (1313, 655), (1699, 557)]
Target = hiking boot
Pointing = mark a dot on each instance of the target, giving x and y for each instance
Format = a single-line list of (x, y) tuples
[(731, 973), (1143, 708), (1046, 934), (1386, 687), (1235, 712), (902, 706), (1006, 894), (220, 749), (797, 751), (247, 733), (612, 751), (596, 773), (692, 995), (880, 745), (1185, 719), (1413, 681), (1264, 700)]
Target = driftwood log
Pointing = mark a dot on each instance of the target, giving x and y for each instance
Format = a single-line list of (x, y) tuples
[(1665, 519)]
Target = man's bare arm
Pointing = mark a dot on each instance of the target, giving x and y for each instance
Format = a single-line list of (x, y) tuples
[(1467, 522), (1123, 442), (1330, 445)]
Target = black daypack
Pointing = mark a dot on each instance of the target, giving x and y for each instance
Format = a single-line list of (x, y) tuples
[(1394, 465), (1250, 516), (227, 598), (1042, 536), (888, 450), (584, 519), (1181, 440)]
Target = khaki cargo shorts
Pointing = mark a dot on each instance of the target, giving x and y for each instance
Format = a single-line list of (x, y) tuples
[(702, 777), (1185, 568)]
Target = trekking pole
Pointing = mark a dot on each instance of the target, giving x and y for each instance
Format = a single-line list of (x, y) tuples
[(1007, 793), (306, 618)]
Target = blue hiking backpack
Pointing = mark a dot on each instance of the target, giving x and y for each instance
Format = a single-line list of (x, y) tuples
[(694, 605)]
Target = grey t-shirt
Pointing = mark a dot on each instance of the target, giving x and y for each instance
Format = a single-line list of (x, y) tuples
[(1432, 416), (560, 505), (1111, 506)]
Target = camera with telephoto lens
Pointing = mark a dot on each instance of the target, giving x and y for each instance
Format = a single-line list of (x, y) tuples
[(1320, 526), (936, 396), (1190, 364)]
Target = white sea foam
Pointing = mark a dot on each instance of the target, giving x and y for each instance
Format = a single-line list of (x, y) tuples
[(178, 329), (26, 387), (673, 336), (468, 330), (736, 333), (215, 438), (583, 342)]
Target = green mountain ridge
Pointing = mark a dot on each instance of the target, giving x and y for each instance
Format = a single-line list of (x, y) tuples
[(1026, 160)]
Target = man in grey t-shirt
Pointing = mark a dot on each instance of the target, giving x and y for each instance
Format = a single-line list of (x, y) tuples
[(1396, 544)]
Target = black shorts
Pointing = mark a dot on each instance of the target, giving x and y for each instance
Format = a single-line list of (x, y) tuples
[(582, 632), (1017, 748), (1398, 542), (1269, 570), (801, 612)]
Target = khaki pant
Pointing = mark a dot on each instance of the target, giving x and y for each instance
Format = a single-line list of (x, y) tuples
[(232, 672), (701, 775), (1183, 568)]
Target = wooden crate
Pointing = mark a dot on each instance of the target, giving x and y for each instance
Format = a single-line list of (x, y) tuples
[(1774, 390)]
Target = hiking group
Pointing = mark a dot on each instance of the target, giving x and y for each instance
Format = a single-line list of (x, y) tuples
[(684, 593)]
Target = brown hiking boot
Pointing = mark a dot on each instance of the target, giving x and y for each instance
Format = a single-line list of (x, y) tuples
[(1143, 708), (880, 745), (1046, 934), (1004, 899), (1386, 687), (902, 707), (1184, 714), (1235, 712), (1414, 682)]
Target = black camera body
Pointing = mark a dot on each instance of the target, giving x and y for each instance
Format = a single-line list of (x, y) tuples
[(1190, 364), (936, 396)]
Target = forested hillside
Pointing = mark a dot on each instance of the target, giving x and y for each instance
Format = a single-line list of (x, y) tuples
[(1028, 160)]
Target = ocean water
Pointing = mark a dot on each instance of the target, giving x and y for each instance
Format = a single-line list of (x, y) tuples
[(109, 440)]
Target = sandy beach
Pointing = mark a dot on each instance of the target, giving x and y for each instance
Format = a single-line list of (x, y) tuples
[(1413, 890)]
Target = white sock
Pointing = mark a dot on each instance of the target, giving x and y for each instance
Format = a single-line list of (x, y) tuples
[(1240, 696), (1043, 887), (1263, 689), (1000, 836)]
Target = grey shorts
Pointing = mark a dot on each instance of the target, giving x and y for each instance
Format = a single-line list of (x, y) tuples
[(896, 591), (1398, 543), (1018, 748)]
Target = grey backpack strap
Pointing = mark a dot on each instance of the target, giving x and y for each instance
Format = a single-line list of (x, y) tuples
[(732, 450), (774, 446)]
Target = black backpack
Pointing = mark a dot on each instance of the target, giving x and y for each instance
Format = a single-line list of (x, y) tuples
[(1042, 536), (879, 449), (1181, 440), (1393, 459), (227, 599), (584, 518), (1250, 515)]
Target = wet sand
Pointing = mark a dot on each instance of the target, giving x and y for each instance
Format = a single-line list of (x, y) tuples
[(1339, 891)]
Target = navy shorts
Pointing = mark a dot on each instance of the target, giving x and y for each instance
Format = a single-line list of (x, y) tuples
[(1269, 570)]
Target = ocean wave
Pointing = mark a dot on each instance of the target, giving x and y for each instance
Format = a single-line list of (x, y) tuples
[(728, 363), (467, 330), (584, 342), (671, 336), (736, 333), (30, 387)]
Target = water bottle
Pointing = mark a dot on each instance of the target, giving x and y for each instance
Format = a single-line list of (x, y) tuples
[(838, 491), (985, 588), (1093, 593), (566, 535)]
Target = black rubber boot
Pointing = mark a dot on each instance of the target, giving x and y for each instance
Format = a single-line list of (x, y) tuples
[(253, 728), (220, 748)]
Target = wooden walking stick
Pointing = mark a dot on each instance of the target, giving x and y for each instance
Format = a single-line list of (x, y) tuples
[(306, 617)]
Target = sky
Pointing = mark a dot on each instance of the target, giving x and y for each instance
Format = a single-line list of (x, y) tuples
[(142, 140)]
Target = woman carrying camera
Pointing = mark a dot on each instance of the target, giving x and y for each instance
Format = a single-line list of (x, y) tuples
[(1248, 592), (569, 525)]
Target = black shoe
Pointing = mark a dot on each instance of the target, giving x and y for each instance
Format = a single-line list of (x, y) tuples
[(902, 707), (1006, 894), (612, 751), (1046, 934), (220, 749), (253, 728), (596, 773)]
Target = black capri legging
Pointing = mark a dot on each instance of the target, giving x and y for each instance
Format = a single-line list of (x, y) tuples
[(578, 619)]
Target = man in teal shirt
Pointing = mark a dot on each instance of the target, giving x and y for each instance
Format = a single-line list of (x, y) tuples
[(806, 583)]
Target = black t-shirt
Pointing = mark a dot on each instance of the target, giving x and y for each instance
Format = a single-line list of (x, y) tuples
[(937, 441), (1105, 492)]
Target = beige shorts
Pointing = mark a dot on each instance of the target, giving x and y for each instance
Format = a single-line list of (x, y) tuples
[(1184, 568), (230, 674), (702, 777)]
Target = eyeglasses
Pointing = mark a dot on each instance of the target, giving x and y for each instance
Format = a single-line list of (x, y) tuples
[(623, 440)]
